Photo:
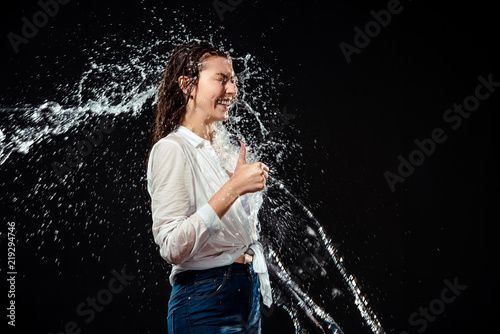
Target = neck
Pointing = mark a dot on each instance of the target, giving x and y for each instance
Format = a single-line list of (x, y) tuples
[(201, 126), (205, 131)]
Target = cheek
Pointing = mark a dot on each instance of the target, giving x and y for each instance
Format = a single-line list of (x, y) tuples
[(208, 93), (212, 96)]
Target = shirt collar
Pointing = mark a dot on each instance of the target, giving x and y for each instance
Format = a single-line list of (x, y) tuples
[(191, 137)]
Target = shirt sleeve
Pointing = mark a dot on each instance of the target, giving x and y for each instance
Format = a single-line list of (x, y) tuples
[(179, 230)]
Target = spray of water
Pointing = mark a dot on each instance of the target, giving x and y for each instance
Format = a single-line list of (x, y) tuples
[(117, 84)]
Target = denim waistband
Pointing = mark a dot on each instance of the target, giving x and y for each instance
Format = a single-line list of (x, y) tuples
[(231, 269)]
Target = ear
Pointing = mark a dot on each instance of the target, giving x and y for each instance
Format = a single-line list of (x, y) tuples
[(183, 83)]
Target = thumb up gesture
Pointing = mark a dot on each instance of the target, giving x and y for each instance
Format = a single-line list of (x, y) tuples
[(249, 177)]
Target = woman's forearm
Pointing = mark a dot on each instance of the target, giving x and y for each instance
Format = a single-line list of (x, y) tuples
[(224, 198)]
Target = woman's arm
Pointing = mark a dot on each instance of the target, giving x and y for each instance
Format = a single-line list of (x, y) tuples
[(247, 178), (222, 200)]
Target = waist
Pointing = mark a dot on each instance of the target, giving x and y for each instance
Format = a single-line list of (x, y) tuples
[(235, 268), (245, 258)]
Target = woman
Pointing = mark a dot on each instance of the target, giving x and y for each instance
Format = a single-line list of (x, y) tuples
[(200, 210)]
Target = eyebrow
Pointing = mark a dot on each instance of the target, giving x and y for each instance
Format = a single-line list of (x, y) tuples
[(227, 76)]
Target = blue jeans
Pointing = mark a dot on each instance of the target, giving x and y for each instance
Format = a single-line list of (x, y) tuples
[(217, 300)]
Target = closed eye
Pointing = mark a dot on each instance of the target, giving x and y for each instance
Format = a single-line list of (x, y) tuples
[(222, 78)]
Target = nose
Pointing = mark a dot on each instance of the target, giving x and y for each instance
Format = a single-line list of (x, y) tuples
[(231, 88)]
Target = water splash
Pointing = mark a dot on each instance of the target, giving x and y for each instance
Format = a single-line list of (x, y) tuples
[(115, 85), (351, 282)]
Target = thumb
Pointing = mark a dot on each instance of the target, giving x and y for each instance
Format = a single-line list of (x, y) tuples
[(243, 152)]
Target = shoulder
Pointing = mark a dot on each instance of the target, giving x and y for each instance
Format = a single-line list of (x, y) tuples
[(172, 142), (171, 147), (168, 143)]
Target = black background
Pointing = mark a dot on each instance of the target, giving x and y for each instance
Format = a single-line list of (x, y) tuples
[(353, 121)]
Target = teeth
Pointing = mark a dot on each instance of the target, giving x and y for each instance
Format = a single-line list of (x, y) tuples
[(225, 102)]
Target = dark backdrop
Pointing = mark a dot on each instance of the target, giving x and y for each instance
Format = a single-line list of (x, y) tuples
[(353, 120)]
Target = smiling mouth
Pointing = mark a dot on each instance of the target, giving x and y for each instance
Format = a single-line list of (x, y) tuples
[(225, 102)]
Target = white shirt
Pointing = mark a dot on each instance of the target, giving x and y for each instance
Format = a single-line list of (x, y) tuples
[(184, 172)]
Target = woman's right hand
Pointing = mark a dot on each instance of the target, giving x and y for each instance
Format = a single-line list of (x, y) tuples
[(249, 177)]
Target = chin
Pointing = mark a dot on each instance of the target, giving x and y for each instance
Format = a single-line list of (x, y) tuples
[(223, 117)]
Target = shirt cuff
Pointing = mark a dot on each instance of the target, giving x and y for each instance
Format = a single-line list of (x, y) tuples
[(211, 219)]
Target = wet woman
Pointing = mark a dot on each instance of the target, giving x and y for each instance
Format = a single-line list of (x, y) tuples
[(201, 214)]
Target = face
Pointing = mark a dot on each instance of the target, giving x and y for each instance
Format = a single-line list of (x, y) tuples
[(216, 89)]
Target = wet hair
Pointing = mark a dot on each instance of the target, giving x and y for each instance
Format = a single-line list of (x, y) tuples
[(186, 60)]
